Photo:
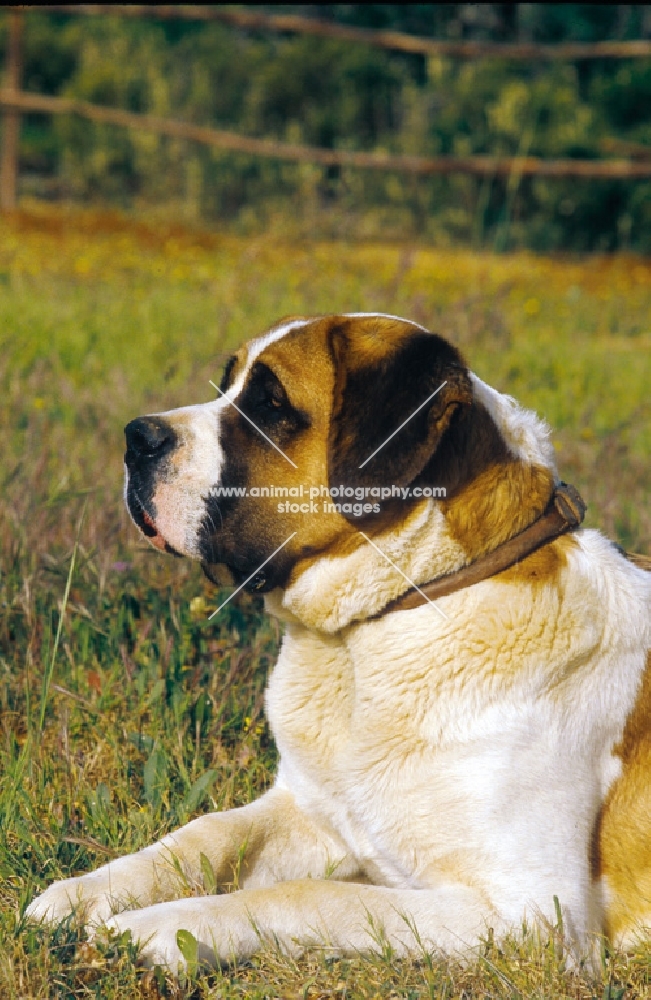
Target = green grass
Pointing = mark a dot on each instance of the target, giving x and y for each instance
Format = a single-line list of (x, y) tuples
[(143, 714)]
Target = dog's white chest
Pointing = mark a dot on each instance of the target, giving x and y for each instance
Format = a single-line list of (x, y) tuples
[(366, 745), (425, 759), (331, 740)]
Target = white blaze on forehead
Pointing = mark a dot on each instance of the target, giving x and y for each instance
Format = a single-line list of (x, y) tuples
[(380, 315), (256, 347), (253, 351)]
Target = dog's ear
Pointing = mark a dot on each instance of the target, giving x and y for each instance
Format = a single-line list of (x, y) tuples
[(393, 401)]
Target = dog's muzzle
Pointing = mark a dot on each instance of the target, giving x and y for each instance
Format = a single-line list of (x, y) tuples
[(149, 441)]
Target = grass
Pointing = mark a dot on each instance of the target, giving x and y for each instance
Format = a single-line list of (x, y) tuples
[(124, 712)]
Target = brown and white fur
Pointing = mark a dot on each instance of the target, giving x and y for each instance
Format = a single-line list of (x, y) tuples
[(443, 770)]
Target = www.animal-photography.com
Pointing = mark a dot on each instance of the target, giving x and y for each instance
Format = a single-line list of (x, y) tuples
[(325, 548)]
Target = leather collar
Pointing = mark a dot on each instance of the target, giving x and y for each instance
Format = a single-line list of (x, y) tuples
[(564, 512)]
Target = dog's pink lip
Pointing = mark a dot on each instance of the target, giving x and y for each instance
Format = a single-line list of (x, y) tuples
[(153, 534)]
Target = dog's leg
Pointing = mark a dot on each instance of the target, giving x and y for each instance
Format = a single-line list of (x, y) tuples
[(259, 844), (341, 917)]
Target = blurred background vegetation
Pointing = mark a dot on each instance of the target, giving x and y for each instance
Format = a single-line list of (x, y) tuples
[(338, 94)]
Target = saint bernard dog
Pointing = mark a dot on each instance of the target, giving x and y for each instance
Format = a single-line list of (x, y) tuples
[(448, 768)]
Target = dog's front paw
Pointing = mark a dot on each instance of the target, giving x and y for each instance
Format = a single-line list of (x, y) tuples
[(86, 895), (155, 930), (125, 882), (131, 881)]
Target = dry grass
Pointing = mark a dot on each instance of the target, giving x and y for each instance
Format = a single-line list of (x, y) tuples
[(102, 319)]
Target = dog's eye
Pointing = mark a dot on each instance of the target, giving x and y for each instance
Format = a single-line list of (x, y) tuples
[(266, 400), (272, 405), (266, 391)]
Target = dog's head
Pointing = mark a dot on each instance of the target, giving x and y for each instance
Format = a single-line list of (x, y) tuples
[(300, 409)]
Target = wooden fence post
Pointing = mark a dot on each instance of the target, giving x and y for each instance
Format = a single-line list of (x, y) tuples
[(11, 116)]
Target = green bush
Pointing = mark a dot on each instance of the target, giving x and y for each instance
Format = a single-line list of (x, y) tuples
[(345, 95)]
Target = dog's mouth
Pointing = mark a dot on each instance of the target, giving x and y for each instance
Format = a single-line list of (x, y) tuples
[(149, 529), (147, 525)]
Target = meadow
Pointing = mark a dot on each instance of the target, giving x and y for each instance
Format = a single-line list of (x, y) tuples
[(123, 710)]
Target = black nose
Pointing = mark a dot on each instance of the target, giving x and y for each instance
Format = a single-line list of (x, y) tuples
[(148, 438)]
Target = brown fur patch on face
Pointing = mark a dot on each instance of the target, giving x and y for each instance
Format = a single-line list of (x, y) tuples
[(354, 380), (623, 838)]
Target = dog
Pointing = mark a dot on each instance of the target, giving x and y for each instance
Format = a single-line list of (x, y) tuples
[(449, 765)]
